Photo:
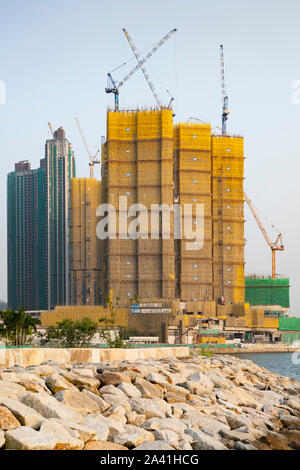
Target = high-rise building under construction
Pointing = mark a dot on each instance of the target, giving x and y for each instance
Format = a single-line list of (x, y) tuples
[(86, 261), (153, 162)]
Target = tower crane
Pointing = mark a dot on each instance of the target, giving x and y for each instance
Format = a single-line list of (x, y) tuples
[(195, 119), (276, 246), (51, 129), (113, 86), (93, 159), (225, 111)]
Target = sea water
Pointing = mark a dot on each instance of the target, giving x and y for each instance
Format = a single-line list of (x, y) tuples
[(287, 364)]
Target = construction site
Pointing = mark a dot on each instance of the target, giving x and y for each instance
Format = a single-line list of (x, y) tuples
[(157, 286)]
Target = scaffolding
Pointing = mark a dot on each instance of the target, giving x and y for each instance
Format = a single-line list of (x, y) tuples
[(138, 164), (85, 246), (267, 291), (192, 184), (228, 217), (150, 161)]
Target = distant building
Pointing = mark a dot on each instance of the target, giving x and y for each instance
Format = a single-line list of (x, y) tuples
[(38, 228), (59, 165), (273, 294), (26, 237)]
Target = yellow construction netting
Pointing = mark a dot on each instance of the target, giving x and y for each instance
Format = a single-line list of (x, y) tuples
[(228, 215), (255, 317), (75, 313), (85, 245), (271, 323), (141, 125), (211, 339), (192, 136)]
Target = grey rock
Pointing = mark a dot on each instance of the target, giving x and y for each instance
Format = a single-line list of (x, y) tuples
[(151, 408), (133, 436), (56, 383), (116, 400), (97, 423), (67, 439), (129, 390), (49, 407), (85, 432), (24, 414), (147, 389), (172, 424), (102, 405), (2, 439), (25, 438), (183, 445), (167, 435), (112, 390), (242, 446), (203, 379), (157, 378), (11, 390), (202, 441), (154, 445)]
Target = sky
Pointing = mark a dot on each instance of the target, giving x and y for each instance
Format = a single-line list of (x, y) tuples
[(54, 60)]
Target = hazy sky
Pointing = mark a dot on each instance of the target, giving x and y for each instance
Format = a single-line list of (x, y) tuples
[(54, 57)]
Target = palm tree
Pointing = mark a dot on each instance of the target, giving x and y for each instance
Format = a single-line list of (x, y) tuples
[(17, 327)]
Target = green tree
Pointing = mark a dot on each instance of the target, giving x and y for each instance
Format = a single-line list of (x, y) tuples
[(108, 326), (71, 334), (17, 327)]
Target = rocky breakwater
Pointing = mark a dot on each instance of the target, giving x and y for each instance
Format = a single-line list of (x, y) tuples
[(192, 403)]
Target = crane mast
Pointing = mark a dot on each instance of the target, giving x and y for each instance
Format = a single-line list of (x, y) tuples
[(51, 129), (276, 246), (225, 110), (93, 159)]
